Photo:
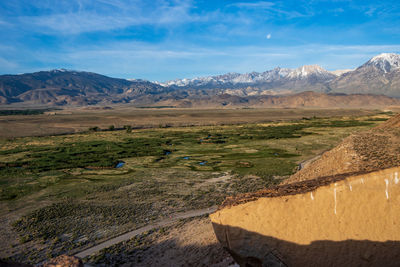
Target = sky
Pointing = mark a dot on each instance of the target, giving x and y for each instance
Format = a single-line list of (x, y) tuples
[(161, 40)]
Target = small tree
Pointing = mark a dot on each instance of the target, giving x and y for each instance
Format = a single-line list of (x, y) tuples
[(94, 129), (111, 128), (128, 128)]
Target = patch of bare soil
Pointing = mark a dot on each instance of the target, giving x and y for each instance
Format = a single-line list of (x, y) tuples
[(376, 149), (190, 242), (194, 244), (222, 179)]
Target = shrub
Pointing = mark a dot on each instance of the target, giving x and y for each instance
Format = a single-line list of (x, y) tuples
[(128, 128)]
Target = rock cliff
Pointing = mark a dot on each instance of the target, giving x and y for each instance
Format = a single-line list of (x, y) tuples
[(350, 222), (341, 210)]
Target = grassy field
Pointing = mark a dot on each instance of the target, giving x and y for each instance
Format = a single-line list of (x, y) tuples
[(62, 193)]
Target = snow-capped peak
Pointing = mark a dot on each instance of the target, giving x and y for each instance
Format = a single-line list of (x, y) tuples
[(276, 74), (59, 70), (66, 70), (340, 72), (385, 62), (307, 70)]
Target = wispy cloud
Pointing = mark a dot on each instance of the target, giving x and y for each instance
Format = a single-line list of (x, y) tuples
[(259, 4), (4, 23), (273, 9), (7, 64), (85, 16), (80, 16)]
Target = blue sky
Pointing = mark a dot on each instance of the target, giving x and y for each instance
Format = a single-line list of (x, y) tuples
[(164, 40)]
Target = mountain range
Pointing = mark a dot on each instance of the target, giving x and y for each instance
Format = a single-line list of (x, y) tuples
[(380, 75), (62, 87), (378, 78)]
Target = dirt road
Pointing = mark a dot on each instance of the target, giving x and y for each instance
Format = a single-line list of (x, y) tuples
[(129, 235)]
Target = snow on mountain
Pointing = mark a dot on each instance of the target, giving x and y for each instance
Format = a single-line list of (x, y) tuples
[(340, 72), (276, 74), (59, 70), (64, 70), (379, 75), (310, 70), (385, 62)]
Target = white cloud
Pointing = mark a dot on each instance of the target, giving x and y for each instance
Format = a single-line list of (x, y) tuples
[(81, 16), (4, 23), (268, 36), (7, 64), (271, 9), (259, 4)]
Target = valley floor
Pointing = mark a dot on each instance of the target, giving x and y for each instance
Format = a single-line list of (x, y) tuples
[(74, 120), (63, 194)]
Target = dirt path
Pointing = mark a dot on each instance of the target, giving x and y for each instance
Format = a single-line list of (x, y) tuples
[(129, 235), (306, 162)]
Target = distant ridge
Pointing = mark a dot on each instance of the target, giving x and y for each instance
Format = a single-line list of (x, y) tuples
[(69, 87), (377, 77)]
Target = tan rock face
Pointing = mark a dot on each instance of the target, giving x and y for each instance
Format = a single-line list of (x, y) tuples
[(350, 222)]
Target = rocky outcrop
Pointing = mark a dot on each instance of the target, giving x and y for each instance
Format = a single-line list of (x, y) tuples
[(352, 221)]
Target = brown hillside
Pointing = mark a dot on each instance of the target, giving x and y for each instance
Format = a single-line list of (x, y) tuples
[(306, 99), (368, 151), (392, 124)]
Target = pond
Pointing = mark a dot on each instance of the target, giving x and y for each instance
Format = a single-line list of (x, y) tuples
[(120, 164)]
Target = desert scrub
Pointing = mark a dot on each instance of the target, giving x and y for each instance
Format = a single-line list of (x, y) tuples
[(377, 119), (131, 251), (245, 184), (24, 111), (340, 123), (122, 252), (69, 221)]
